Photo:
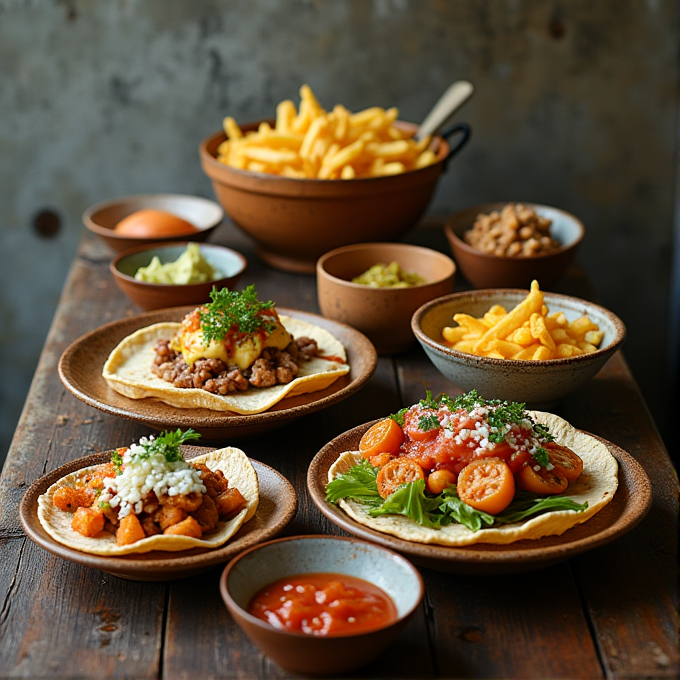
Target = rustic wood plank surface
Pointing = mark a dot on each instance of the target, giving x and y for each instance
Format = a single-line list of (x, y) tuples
[(609, 613)]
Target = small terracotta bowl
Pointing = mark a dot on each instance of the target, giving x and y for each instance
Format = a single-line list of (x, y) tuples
[(321, 655), (382, 314), (229, 263), (483, 270), (102, 218), (295, 221), (539, 384)]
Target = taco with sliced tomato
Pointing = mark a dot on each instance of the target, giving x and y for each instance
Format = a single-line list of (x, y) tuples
[(465, 470), (235, 353), (147, 497)]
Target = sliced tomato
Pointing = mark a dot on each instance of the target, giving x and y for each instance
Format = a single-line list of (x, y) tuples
[(533, 477), (566, 462), (384, 437), (397, 472), (438, 480), (487, 484)]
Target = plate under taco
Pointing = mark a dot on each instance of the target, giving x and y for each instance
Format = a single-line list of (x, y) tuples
[(231, 461), (596, 485), (128, 371)]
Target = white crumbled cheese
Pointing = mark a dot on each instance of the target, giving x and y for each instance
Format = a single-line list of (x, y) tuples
[(141, 476)]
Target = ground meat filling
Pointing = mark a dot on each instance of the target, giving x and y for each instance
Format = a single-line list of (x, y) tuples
[(273, 367)]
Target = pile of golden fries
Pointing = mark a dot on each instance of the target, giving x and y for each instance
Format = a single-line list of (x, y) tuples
[(527, 332), (313, 143)]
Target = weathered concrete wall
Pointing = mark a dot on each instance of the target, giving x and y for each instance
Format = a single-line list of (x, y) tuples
[(575, 107)]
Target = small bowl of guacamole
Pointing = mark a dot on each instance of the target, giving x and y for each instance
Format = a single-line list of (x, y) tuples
[(377, 287), (175, 274)]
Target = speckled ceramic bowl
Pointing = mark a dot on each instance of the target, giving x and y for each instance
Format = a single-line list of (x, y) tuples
[(382, 314), (300, 653), (484, 270), (539, 384)]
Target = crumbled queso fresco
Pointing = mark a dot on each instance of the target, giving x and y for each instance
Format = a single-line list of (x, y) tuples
[(518, 435), (141, 476)]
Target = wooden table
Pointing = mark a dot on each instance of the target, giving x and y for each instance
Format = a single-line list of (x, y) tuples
[(606, 613)]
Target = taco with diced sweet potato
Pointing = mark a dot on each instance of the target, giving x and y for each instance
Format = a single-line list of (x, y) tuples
[(461, 471), (233, 354), (149, 498)]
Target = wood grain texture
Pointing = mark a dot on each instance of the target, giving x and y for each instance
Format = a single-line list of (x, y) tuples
[(609, 613)]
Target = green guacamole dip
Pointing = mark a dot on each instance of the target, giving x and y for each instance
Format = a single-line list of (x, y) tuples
[(388, 276), (189, 267)]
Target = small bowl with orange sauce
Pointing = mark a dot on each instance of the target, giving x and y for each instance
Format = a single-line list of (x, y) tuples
[(321, 604), (144, 219)]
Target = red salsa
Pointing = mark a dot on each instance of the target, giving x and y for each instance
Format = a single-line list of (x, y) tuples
[(323, 604)]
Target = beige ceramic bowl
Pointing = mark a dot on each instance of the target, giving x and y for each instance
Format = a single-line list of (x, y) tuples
[(539, 384), (228, 262), (382, 314), (102, 218), (294, 221), (299, 653), (483, 270)]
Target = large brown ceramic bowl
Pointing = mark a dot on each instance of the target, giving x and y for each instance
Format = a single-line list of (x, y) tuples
[(484, 270), (102, 218), (539, 384), (382, 314), (319, 655), (295, 221), (229, 263)]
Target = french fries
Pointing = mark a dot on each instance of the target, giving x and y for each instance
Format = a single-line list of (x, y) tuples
[(317, 144), (527, 332)]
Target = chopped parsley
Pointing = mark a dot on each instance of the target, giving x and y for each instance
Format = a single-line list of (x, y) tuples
[(117, 461), (398, 417), (231, 309)]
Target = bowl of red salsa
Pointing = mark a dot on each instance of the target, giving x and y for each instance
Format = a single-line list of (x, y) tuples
[(321, 604)]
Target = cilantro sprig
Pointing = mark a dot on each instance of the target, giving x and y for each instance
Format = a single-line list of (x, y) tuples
[(230, 309)]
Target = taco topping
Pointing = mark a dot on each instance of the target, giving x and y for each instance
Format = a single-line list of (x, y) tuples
[(149, 489), (466, 460), (234, 342)]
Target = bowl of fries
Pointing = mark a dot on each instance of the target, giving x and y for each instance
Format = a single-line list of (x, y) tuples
[(313, 180), (518, 345), (514, 243)]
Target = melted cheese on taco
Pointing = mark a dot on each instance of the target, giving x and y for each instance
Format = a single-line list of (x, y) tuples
[(489, 449), (233, 354), (149, 498)]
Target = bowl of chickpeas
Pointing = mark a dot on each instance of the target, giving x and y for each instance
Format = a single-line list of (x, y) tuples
[(508, 245)]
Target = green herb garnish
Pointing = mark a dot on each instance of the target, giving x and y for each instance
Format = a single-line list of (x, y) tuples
[(231, 309), (398, 417), (429, 422), (166, 444), (117, 461)]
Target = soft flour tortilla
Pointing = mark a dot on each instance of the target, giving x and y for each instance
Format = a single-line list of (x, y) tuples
[(128, 371), (597, 485), (233, 463)]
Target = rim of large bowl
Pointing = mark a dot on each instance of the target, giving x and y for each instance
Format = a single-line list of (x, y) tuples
[(443, 148)]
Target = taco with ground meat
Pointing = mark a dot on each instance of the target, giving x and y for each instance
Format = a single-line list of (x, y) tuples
[(233, 354), (461, 471), (149, 498)]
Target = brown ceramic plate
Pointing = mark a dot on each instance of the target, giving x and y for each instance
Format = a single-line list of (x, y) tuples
[(629, 505), (80, 369), (277, 507)]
